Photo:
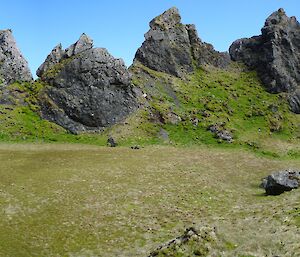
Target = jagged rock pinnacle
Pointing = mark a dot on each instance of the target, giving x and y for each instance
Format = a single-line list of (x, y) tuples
[(274, 55), (83, 43), (88, 92), (174, 48), (166, 20), (13, 66)]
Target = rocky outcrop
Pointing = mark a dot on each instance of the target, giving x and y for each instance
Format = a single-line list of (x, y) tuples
[(88, 89), (53, 58), (281, 181), (175, 48), (200, 241), (13, 66), (275, 55)]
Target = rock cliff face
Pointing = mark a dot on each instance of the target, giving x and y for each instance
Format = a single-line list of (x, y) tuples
[(275, 55), (88, 88), (13, 66), (175, 48)]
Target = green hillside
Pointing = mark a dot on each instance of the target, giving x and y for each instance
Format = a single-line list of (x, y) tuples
[(173, 111)]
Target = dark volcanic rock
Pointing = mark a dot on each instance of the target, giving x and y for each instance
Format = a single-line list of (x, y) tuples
[(275, 55), (174, 48), (111, 142), (88, 88), (53, 58), (294, 101), (281, 181), (13, 66)]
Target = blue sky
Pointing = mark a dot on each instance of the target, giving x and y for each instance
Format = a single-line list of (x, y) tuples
[(120, 25)]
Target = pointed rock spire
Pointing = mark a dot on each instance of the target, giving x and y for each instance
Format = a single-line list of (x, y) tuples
[(88, 92), (174, 48), (83, 43), (13, 66), (53, 58), (274, 55), (57, 54), (166, 20)]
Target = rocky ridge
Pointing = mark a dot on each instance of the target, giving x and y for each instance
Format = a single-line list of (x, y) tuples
[(13, 66), (275, 55), (175, 48), (88, 89)]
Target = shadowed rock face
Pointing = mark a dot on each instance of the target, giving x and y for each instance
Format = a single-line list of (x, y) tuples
[(13, 66), (175, 48), (275, 55), (281, 181), (88, 88)]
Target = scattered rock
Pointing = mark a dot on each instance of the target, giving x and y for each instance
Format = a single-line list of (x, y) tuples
[(13, 66), (221, 133), (274, 55), (164, 134), (88, 89), (194, 242), (281, 181), (111, 142), (173, 47), (173, 118), (135, 147), (224, 135)]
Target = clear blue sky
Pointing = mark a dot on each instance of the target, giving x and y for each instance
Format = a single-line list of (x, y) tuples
[(119, 25)]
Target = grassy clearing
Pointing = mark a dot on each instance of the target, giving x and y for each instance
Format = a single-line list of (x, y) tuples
[(78, 200)]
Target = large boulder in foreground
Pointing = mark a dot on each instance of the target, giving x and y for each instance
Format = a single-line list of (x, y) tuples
[(281, 181), (13, 66), (175, 48), (88, 89), (275, 55)]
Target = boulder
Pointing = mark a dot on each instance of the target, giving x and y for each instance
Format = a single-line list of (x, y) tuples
[(111, 142), (13, 66), (281, 181), (220, 132), (175, 48), (274, 55), (87, 88)]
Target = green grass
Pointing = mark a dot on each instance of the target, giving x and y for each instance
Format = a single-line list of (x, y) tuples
[(79, 200), (233, 97)]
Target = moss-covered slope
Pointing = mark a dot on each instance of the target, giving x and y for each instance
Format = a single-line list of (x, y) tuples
[(173, 111)]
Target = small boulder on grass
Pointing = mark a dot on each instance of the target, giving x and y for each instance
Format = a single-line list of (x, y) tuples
[(281, 181), (111, 142)]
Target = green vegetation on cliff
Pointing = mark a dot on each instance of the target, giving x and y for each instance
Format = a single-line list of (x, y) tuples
[(174, 111)]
